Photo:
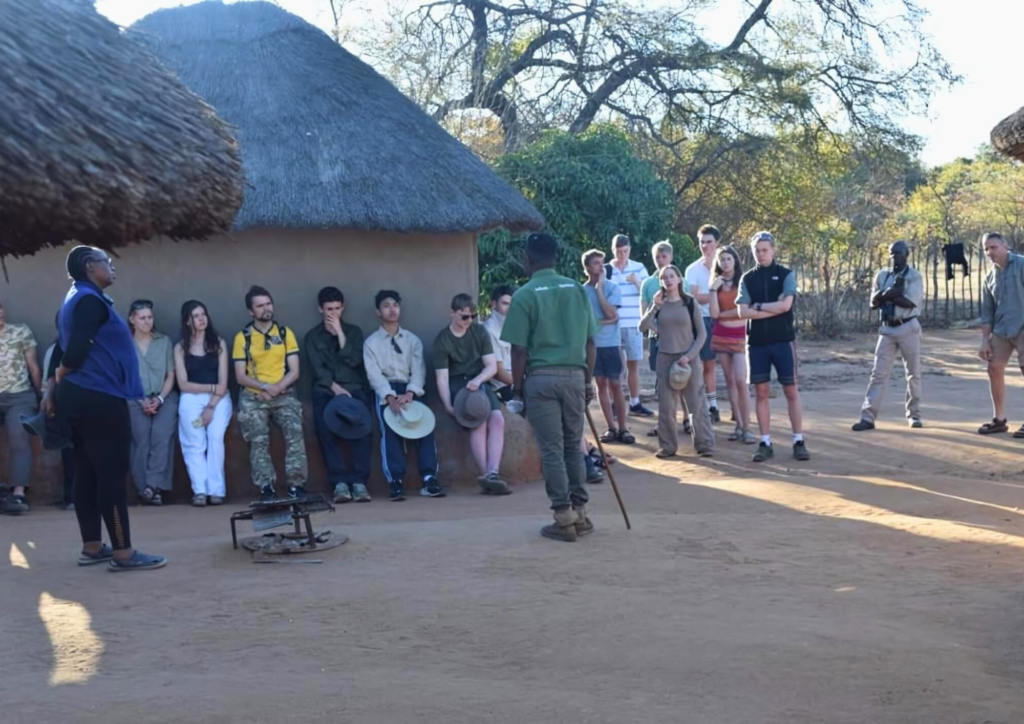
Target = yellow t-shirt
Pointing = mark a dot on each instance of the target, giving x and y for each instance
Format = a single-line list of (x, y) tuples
[(267, 353)]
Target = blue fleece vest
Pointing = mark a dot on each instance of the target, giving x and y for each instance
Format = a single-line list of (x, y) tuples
[(111, 365)]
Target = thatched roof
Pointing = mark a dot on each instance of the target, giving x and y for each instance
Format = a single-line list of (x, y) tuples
[(98, 141), (1008, 136), (326, 140)]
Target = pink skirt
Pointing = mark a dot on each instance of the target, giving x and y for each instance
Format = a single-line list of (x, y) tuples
[(730, 340)]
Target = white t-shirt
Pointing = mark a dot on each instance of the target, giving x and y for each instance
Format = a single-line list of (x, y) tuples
[(502, 350), (698, 279), (629, 308)]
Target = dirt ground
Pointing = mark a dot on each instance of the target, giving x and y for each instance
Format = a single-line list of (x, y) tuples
[(881, 582)]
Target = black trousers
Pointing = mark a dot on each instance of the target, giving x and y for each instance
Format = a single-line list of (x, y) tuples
[(101, 432)]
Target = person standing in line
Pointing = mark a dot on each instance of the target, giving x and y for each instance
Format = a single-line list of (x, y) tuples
[(629, 276), (501, 299), (20, 384), (728, 338), (605, 300), (96, 376), (1002, 324), (681, 334), (464, 360), (155, 416), (897, 294), (698, 280), (551, 328), (204, 410), (266, 357), (767, 294), (335, 350)]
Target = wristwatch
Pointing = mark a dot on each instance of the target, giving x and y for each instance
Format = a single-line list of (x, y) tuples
[(758, 306), (264, 386)]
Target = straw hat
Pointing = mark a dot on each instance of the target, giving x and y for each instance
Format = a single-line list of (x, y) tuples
[(679, 376), (416, 421)]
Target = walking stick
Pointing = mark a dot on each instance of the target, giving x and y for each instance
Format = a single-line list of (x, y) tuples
[(608, 468)]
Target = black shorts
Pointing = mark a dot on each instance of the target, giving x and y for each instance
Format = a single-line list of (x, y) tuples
[(780, 355), (608, 362)]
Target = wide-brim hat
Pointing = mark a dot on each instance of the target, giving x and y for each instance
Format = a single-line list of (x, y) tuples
[(472, 407), (47, 429), (348, 418), (416, 420), (679, 376)]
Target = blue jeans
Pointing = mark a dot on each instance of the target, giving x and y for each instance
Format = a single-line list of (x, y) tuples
[(392, 446), (347, 461)]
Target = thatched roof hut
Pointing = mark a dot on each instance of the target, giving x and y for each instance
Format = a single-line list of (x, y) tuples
[(1008, 136), (327, 142), (99, 142)]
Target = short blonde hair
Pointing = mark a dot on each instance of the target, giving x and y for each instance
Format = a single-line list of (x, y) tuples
[(662, 246)]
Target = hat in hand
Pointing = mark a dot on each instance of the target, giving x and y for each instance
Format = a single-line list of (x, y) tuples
[(348, 418), (472, 407), (416, 420), (47, 429), (679, 376)]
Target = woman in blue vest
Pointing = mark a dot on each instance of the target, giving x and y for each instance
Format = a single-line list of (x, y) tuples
[(98, 373)]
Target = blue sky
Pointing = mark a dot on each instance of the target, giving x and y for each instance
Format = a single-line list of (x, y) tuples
[(966, 31)]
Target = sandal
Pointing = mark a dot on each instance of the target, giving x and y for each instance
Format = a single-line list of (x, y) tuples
[(612, 435), (149, 494), (1019, 433), (996, 426), (157, 499), (625, 436)]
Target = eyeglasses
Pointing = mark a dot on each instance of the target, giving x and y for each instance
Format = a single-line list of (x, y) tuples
[(394, 346), (464, 317), (141, 304)]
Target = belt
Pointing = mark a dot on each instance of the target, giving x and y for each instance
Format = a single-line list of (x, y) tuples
[(898, 322), (556, 371)]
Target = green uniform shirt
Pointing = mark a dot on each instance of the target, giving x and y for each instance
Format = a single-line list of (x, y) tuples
[(462, 356), (552, 317)]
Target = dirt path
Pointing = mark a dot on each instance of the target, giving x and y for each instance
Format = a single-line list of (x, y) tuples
[(878, 583)]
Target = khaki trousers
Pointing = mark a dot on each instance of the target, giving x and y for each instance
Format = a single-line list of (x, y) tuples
[(556, 406), (696, 401), (906, 340)]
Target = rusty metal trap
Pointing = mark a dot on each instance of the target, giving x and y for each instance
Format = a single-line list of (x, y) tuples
[(267, 514)]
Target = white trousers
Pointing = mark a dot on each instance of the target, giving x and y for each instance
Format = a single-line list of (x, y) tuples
[(203, 447)]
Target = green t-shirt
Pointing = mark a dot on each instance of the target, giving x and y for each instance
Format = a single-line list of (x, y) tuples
[(552, 317), (462, 356)]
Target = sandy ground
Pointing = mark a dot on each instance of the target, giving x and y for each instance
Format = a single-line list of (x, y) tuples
[(878, 583)]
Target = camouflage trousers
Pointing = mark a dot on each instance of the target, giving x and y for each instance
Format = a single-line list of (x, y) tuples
[(254, 416)]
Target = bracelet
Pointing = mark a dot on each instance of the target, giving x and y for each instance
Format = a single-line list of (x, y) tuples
[(161, 398)]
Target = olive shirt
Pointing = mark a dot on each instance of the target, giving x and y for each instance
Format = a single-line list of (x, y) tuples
[(462, 356), (155, 363), (551, 317), (332, 364)]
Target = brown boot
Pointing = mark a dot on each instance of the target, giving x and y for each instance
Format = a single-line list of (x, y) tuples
[(584, 526), (564, 527)]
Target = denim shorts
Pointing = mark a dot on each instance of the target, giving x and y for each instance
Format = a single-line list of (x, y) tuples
[(761, 359), (608, 362)]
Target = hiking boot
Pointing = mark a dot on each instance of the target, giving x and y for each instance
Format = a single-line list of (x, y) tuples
[(915, 422), (342, 494), (862, 425), (764, 452), (359, 493), (640, 411), (297, 492), (716, 416), (396, 491), (14, 504), (492, 484), (564, 527), (431, 488), (267, 493), (584, 526), (800, 451)]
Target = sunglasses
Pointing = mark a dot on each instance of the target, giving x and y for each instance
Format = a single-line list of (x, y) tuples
[(464, 317), (141, 304)]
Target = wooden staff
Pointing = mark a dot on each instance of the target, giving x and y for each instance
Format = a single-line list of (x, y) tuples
[(608, 468)]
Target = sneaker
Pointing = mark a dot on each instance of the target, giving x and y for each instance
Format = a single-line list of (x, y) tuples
[(653, 432), (91, 559), (396, 492), (492, 484), (69, 507), (716, 416), (764, 452), (748, 437), (342, 494), (138, 562), (706, 453), (862, 425), (215, 500), (199, 501), (735, 434), (800, 451), (687, 427), (664, 454), (594, 475), (297, 491), (564, 527), (431, 488), (267, 493), (584, 526), (14, 504), (640, 411), (360, 494), (916, 422)]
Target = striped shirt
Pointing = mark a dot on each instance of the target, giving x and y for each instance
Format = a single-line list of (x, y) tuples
[(629, 306)]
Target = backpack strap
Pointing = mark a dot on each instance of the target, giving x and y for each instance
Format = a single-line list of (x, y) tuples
[(250, 363), (608, 271), (689, 308)]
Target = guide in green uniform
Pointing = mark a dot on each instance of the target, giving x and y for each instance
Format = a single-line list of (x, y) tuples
[(551, 327)]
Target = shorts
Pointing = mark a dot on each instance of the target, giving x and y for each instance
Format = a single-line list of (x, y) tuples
[(706, 355), (652, 353), (761, 359), (728, 340), (456, 384), (608, 363), (504, 393), (1003, 348), (632, 343)]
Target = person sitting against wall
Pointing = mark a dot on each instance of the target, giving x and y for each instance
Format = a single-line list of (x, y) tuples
[(501, 298), (335, 350), (204, 411), (155, 416), (464, 359), (20, 383)]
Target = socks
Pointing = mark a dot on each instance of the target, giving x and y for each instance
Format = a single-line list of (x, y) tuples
[(634, 401), (712, 399), (798, 437), (767, 440)]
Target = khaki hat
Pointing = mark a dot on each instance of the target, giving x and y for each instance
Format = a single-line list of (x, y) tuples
[(416, 421), (679, 376), (472, 408)]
